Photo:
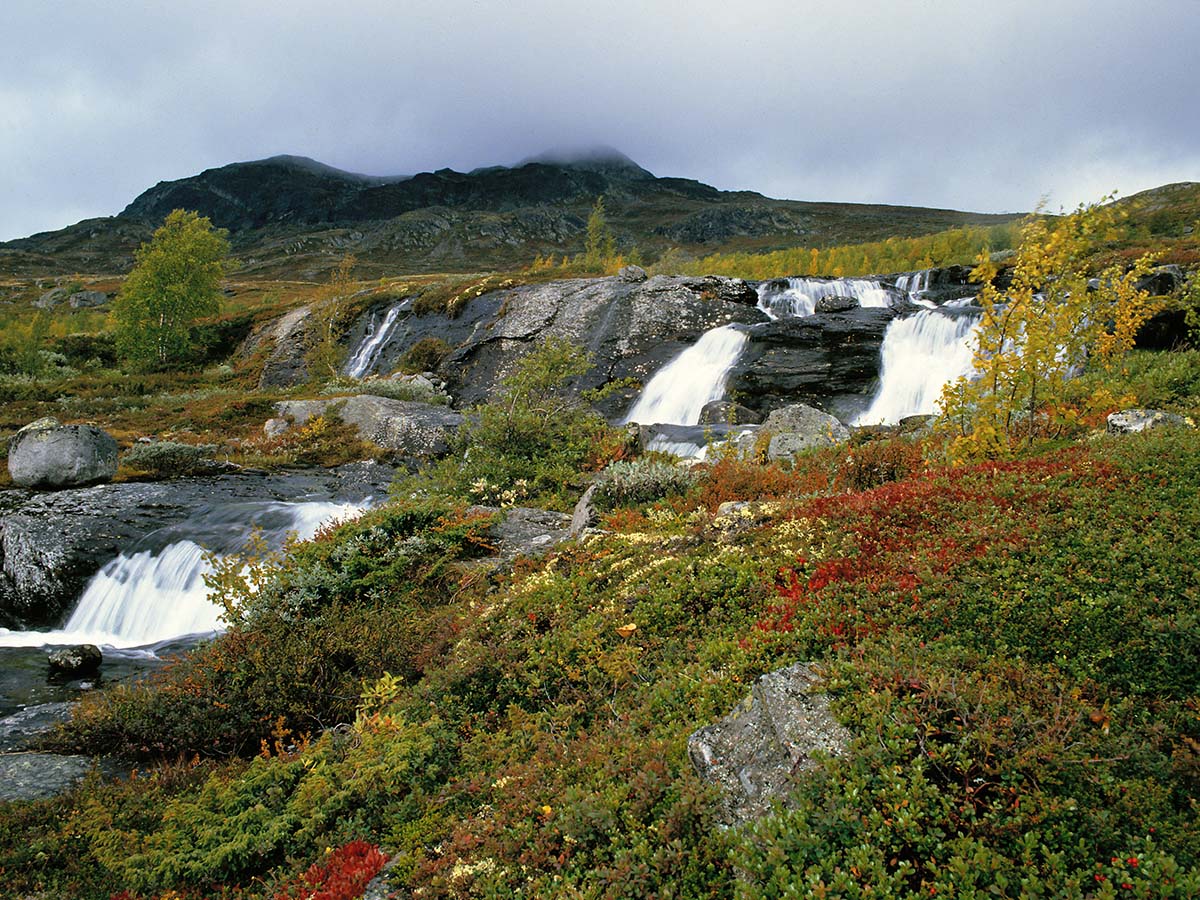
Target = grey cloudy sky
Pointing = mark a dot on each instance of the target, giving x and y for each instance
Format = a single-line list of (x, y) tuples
[(957, 103)]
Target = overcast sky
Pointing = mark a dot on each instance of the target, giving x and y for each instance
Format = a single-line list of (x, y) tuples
[(956, 103)]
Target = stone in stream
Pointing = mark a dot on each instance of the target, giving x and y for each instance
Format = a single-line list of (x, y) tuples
[(83, 659)]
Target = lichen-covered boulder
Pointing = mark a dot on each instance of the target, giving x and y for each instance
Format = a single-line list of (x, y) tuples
[(82, 659), (754, 754), (795, 428), (48, 454), (1131, 421)]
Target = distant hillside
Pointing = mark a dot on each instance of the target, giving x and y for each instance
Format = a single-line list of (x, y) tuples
[(292, 216)]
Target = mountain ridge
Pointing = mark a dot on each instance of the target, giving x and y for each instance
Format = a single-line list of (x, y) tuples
[(295, 216)]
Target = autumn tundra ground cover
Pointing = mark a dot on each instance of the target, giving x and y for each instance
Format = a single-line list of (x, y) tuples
[(1013, 644)]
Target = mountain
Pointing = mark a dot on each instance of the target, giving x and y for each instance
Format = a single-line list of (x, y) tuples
[(290, 216)]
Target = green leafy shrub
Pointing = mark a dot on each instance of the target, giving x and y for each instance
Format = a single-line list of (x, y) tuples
[(536, 430), (628, 483), (82, 350), (170, 459), (425, 355)]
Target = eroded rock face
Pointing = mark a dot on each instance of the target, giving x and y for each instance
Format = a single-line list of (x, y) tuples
[(407, 428), (48, 454), (631, 329), (828, 360), (290, 338), (754, 754)]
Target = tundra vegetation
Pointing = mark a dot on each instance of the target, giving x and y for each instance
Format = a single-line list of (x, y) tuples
[(1012, 637)]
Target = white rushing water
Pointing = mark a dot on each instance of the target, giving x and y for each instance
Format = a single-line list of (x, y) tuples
[(378, 333), (679, 390), (144, 597), (921, 353), (799, 297)]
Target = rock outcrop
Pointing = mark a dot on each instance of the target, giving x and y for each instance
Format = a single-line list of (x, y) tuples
[(48, 454), (288, 339), (754, 754), (408, 429), (829, 360), (631, 329)]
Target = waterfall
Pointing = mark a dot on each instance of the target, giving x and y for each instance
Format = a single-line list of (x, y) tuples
[(797, 297), (365, 356), (679, 390), (147, 596), (914, 283), (921, 353)]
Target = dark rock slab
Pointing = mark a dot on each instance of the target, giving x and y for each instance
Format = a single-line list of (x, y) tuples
[(19, 730), (829, 360)]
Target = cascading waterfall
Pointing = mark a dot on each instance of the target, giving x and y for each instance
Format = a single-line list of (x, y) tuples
[(147, 596), (364, 357), (913, 283), (921, 353), (799, 297), (678, 391)]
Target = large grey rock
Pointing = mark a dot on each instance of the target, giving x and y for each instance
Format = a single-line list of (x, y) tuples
[(526, 530), (52, 298), (632, 274), (52, 543), (1131, 421), (795, 428), (48, 454), (405, 427), (754, 754)]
